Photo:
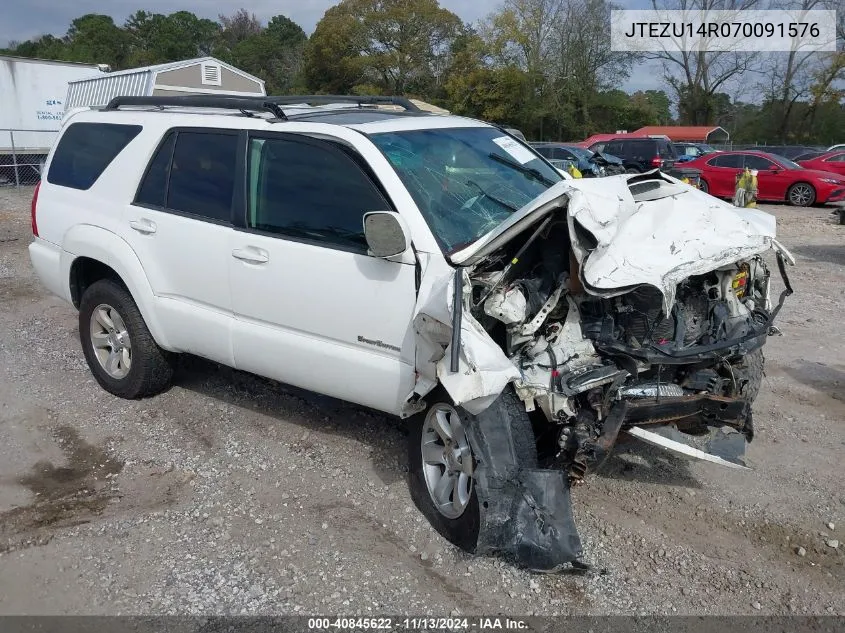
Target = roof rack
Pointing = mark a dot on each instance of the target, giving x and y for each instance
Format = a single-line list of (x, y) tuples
[(255, 104), (244, 104), (403, 102)]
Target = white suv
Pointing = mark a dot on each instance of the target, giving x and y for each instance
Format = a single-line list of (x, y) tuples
[(428, 266)]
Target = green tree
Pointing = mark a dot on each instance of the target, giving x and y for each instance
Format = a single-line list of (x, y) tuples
[(275, 54), (96, 38), (396, 46), (156, 38)]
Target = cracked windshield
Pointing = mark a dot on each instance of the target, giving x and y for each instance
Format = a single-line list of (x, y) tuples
[(465, 181)]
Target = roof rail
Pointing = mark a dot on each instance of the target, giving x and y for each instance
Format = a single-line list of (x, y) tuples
[(246, 104), (403, 102)]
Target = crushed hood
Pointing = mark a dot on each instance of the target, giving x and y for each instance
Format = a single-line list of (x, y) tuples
[(641, 229)]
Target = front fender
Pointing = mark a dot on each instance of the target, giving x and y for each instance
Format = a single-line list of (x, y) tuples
[(85, 240)]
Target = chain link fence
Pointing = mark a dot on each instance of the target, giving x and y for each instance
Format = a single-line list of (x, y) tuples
[(22, 155)]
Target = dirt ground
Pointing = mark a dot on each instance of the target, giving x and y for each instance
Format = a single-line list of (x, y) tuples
[(232, 494)]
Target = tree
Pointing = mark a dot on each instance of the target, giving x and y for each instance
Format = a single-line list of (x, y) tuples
[(396, 46), (157, 38), (696, 76), (274, 54), (96, 38), (655, 104), (239, 26)]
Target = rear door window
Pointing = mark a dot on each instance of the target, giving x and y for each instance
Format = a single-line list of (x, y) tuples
[(202, 175), (727, 160), (666, 150), (153, 190), (85, 150), (193, 172)]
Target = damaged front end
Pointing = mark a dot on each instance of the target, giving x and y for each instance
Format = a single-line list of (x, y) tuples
[(639, 306)]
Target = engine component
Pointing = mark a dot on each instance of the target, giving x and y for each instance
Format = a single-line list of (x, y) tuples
[(508, 306), (652, 390)]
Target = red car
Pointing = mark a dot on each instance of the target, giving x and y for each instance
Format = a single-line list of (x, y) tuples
[(832, 161), (778, 178)]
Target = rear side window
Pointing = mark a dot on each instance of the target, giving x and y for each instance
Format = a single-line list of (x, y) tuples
[(666, 149), (153, 189), (85, 150), (193, 172)]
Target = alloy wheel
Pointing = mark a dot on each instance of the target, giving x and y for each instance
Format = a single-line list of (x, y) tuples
[(447, 459), (110, 340)]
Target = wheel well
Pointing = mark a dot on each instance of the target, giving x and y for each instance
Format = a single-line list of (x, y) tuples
[(85, 271), (800, 182)]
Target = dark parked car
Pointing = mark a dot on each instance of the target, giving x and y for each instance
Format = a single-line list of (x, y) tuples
[(641, 154), (588, 162), (787, 151)]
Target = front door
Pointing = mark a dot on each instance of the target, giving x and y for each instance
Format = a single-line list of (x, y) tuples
[(312, 309), (772, 179)]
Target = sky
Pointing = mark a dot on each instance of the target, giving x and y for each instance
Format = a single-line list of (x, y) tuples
[(25, 20)]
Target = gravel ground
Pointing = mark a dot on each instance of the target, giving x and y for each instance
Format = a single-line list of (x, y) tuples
[(231, 494)]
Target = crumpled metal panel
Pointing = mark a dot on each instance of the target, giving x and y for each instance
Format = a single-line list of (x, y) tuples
[(525, 513)]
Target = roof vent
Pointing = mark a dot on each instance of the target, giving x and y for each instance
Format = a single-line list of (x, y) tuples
[(211, 75)]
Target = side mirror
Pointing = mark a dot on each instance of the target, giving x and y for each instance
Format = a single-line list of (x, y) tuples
[(385, 233)]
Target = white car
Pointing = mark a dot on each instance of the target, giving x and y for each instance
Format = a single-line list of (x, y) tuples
[(429, 266)]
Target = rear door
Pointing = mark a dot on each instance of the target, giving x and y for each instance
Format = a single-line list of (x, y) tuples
[(180, 225), (312, 308), (721, 174)]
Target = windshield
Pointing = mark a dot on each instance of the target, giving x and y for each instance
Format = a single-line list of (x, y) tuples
[(581, 152), (785, 162), (465, 181)]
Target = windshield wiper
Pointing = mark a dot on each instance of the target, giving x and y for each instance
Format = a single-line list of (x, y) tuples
[(528, 171), (484, 194)]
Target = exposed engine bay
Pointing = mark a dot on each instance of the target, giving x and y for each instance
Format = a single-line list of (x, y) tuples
[(632, 304), (578, 355)]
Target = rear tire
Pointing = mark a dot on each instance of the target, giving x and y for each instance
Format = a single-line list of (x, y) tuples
[(118, 346), (460, 528), (703, 186), (631, 170)]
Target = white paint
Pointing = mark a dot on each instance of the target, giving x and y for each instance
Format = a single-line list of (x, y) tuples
[(660, 241)]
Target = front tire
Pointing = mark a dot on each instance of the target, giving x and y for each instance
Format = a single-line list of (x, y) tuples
[(754, 364), (703, 186), (801, 194), (121, 353), (441, 463)]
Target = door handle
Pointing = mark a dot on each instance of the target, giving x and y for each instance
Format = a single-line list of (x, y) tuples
[(143, 226), (251, 254)]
